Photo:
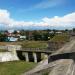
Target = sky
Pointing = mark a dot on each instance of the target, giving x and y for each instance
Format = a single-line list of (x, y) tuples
[(37, 14)]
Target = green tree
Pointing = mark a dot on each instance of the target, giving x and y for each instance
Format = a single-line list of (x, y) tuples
[(3, 37), (73, 29)]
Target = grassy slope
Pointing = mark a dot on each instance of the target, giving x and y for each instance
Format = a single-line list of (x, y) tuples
[(60, 38), (15, 68)]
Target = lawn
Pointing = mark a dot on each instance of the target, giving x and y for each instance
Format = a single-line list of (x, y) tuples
[(34, 44), (60, 38), (3, 50), (15, 67), (27, 44)]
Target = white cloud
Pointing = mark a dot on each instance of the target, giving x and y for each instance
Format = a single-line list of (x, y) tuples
[(10, 23), (4, 17), (49, 3), (66, 21)]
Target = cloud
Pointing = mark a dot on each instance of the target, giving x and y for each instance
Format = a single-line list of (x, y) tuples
[(44, 4), (8, 23), (49, 3), (66, 21), (4, 16)]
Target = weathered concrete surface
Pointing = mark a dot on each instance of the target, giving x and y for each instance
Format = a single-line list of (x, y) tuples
[(7, 56), (58, 67), (10, 54), (66, 67)]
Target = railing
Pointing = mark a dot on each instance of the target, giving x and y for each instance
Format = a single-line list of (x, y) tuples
[(4, 47), (17, 47), (36, 50)]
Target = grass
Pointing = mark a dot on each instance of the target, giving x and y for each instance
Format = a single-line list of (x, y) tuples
[(45, 74), (15, 68), (27, 44), (60, 38), (10, 43), (34, 44), (3, 50)]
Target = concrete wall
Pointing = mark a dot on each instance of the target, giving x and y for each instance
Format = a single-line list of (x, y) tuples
[(61, 56), (7, 56), (10, 54)]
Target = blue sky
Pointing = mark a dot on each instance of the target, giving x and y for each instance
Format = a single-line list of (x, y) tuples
[(36, 12)]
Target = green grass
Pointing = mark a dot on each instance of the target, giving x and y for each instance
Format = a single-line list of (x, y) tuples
[(34, 44), (15, 68), (60, 38), (27, 44), (3, 50), (45, 74)]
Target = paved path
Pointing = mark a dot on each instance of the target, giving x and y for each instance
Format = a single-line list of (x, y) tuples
[(66, 67)]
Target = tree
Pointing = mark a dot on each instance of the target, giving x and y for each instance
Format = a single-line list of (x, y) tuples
[(73, 29), (3, 37), (15, 32), (37, 35)]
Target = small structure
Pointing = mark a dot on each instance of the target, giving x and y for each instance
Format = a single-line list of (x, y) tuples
[(12, 39), (59, 32), (22, 37), (51, 32)]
